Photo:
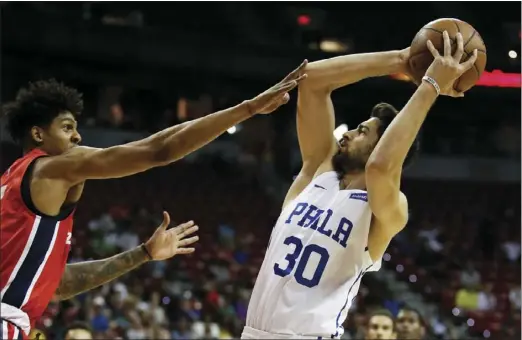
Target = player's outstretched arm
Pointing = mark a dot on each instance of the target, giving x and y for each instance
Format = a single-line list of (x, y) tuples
[(164, 147), (164, 244), (384, 167), (330, 74), (315, 113)]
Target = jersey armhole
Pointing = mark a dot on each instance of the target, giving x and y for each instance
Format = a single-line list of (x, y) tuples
[(368, 262), (25, 191)]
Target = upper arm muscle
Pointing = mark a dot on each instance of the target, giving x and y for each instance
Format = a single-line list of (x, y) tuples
[(315, 125), (82, 163), (388, 203), (389, 208)]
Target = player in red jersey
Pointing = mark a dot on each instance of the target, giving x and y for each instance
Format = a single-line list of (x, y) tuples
[(40, 190)]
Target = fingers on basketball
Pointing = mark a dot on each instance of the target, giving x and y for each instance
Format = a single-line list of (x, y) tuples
[(470, 62), (447, 44), (460, 48), (432, 49)]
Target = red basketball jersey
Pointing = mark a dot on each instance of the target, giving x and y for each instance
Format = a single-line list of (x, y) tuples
[(34, 247)]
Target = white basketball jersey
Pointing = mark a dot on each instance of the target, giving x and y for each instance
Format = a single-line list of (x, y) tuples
[(316, 257)]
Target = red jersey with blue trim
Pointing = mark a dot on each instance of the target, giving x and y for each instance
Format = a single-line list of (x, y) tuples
[(34, 247)]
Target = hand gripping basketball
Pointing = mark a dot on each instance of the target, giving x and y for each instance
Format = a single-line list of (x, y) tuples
[(445, 69)]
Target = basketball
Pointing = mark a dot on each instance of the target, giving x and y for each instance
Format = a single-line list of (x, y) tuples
[(421, 58)]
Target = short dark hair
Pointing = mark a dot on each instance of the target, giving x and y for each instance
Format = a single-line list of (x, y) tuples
[(381, 312), (416, 311), (38, 104), (77, 325), (386, 113)]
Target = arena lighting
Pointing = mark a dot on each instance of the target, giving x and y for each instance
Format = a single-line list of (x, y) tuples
[(232, 130), (512, 54), (304, 20), (339, 131), (495, 78), (486, 334), (333, 46)]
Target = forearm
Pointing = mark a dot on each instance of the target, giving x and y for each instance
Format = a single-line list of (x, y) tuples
[(391, 150), (84, 276), (330, 74), (176, 142)]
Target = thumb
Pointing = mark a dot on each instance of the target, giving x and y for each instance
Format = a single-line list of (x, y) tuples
[(166, 221)]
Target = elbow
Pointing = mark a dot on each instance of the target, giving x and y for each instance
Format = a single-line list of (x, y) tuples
[(377, 166), (315, 81), (165, 153)]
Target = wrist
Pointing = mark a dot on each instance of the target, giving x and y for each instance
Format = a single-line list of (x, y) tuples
[(403, 57), (432, 83), (247, 109), (143, 248), (427, 90)]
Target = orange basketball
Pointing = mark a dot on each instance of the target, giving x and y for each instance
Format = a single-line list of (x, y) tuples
[(421, 58)]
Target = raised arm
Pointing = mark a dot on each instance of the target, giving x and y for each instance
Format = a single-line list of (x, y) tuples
[(315, 112), (384, 167), (164, 147), (164, 244)]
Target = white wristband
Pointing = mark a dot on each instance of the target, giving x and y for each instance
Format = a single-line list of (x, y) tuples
[(433, 83)]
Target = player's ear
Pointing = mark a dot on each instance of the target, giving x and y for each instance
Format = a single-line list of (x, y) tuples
[(37, 134)]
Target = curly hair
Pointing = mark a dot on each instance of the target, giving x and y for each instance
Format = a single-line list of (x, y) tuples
[(386, 113), (38, 104)]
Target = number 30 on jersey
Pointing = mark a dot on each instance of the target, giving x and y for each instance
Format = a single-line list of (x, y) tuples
[(300, 256)]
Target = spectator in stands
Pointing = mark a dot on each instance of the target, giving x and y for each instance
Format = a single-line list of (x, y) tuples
[(515, 296), (182, 330), (410, 324), (381, 325), (78, 331), (470, 277)]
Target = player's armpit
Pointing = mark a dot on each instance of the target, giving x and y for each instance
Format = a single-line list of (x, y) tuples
[(84, 276), (305, 177)]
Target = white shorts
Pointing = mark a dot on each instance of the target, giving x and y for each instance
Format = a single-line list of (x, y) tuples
[(252, 333)]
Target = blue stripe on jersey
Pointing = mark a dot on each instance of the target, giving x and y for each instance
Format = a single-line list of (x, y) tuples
[(16, 292), (346, 302)]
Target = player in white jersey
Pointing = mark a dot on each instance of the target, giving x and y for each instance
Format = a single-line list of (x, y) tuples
[(345, 205)]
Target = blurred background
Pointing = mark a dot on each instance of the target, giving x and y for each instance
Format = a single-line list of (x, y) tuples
[(146, 66)]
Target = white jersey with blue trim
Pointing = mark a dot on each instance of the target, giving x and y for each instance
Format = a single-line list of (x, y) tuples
[(316, 257)]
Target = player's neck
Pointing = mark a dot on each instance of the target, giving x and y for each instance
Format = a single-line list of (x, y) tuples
[(353, 182)]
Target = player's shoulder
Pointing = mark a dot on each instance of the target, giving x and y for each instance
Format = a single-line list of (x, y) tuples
[(47, 166)]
